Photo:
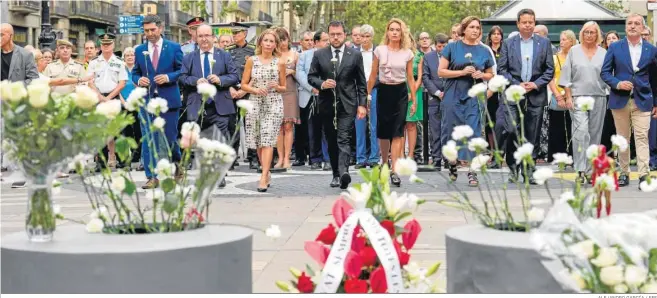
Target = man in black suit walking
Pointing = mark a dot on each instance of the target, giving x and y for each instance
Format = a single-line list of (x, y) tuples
[(337, 71)]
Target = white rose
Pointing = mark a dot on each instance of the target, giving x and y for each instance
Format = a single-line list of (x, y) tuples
[(592, 151), (478, 162), (136, 99), (159, 123), (477, 90), (497, 83), (524, 152), (649, 185), (118, 185), (607, 256), (635, 275), (405, 166), (462, 132), (468, 55), (145, 53), (157, 105), (566, 196), (245, 105), (334, 60), (605, 182), (649, 288), (611, 275), (57, 209), (191, 126), (412, 201), (16, 90), (154, 194), (514, 94), (165, 168), (273, 231), (206, 89), (585, 103), (450, 151), (562, 158), (95, 225), (619, 142), (85, 97), (536, 214), (477, 144), (620, 288), (5, 90), (38, 93), (543, 174), (583, 250), (636, 69), (109, 109)]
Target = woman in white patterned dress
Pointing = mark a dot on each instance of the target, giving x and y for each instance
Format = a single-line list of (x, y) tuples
[(264, 79)]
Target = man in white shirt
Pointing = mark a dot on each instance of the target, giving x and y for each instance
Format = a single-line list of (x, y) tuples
[(365, 158)]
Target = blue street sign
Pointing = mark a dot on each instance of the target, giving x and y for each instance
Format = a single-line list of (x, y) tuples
[(131, 24)]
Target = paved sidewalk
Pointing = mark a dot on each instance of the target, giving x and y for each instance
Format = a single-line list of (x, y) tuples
[(300, 202)]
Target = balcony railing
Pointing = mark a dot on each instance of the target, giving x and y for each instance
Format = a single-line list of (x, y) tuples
[(26, 6), (181, 17), (97, 11), (60, 8)]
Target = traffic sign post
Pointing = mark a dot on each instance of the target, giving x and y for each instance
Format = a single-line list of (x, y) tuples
[(131, 24)]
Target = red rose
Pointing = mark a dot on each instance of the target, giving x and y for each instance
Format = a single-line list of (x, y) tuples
[(368, 255), (378, 281), (389, 226), (412, 230), (355, 286), (304, 284), (327, 235), (353, 264), (404, 257)]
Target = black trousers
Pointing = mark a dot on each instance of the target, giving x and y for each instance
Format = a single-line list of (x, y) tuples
[(338, 139), (301, 134), (532, 129), (131, 131)]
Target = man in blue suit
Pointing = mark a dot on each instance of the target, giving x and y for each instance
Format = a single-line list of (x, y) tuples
[(213, 66), (434, 86), (630, 70), (526, 60), (158, 72)]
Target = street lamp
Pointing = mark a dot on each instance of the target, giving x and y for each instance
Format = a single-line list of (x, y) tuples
[(47, 37)]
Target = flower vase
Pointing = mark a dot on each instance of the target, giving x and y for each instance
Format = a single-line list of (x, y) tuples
[(40, 220)]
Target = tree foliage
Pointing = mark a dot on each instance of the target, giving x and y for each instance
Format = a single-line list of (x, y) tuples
[(189, 5), (615, 6)]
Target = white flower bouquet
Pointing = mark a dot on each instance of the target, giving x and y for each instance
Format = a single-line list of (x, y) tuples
[(616, 254), (43, 132)]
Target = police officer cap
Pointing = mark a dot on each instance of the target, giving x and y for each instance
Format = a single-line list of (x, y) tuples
[(238, 27), (63, 42), (107, 38), (195, 22)]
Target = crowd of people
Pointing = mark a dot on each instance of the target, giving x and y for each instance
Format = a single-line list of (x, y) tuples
[(338, 103)]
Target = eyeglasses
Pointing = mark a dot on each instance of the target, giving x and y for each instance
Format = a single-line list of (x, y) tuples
[(590, 32), (645, 34), (424, 38)]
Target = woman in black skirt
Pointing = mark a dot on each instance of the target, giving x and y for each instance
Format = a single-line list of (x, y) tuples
[(559, 135), (494, 42), (393, 65)]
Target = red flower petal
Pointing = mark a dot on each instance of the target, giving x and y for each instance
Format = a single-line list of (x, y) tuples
[(341, 210), (318, 251), (389, 226), (355, 286), (378, 281), (403, 256), (353, 264), (327, 235), (412, 230), (358, 242), (305, 284), (368, 255)]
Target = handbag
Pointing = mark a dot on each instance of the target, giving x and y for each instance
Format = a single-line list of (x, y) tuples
[(553, 104)]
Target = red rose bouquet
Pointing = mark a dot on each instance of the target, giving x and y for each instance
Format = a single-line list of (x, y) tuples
[(368, 247)]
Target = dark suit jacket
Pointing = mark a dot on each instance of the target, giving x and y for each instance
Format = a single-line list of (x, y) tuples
[(169, 63), (510, 66), (351, 89), (618, 67), (224, 68), (430, 78)]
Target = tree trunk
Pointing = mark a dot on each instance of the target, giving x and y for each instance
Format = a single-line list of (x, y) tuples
[(307, 17)]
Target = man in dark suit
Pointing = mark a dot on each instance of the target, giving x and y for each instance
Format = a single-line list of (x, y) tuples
[(158, 72), (526, 60), (630, 71), (213, 66), (434, 86), (337, 71)]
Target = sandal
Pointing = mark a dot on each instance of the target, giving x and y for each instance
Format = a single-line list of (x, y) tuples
[(472, 179), (453, 172), (395, 180)]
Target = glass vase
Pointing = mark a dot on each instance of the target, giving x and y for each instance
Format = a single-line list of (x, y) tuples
[(40, 220)]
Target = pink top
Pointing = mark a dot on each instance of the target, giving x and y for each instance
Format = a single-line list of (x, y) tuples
[(392, 65)]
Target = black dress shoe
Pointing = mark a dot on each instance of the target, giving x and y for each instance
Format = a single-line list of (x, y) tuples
[(316, 166), (373, 165), (327, 166), (345, 179), (335, 182), (222, 184), (298, 163), (262, 189), (623, 180), (653, 168), (360, 166)]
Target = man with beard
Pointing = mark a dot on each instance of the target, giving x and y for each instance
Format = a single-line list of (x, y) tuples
[(337, 71)]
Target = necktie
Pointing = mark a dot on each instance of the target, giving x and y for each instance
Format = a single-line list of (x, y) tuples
[(337, 56), (156, 56), (207, 71)]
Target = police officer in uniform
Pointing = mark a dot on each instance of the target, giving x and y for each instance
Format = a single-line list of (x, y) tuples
[(240, 50), (191, 45), (65, 73), (110, 76)]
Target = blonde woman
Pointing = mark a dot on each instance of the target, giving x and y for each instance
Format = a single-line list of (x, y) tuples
[(580, 77), (264, 78), (559, 136), (393, 64)]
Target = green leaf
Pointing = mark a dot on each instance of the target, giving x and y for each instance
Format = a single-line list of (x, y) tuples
[(401, 216), (365, 174), (652, 261), (122, 147), (170, 203), (168, 185), (309, 270), (130, 187)]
